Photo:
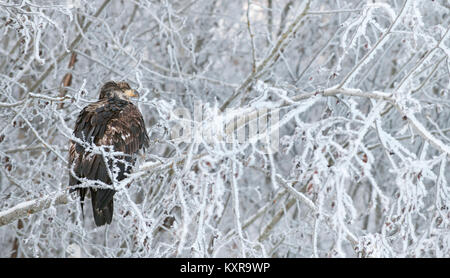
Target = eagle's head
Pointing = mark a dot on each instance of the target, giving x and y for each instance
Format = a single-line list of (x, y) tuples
[(117, 89)]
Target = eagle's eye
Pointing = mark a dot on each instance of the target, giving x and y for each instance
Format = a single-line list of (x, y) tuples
[(126, 89), (117, 89)]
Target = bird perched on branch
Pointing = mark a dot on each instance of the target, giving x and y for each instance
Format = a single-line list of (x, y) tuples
[(111, 132)]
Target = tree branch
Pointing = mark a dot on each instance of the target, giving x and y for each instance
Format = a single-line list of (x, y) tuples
[(27, 208), (279, 47)]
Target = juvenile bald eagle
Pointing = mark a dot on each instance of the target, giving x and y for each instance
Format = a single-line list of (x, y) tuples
[(116, 123)]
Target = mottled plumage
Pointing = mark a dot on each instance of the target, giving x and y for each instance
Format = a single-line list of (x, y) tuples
[(112, 121)]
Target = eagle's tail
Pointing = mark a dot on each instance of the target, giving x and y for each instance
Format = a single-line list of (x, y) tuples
[(102, 205)]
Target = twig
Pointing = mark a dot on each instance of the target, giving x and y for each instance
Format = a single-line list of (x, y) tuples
[(284, 16), (67, 79), (270, 18), (423, 132), (298, 196), (277, 217), (252, 42), (334, 11), (372, 50), (279, 47), (71, 47), (429, 75), (235, 199)]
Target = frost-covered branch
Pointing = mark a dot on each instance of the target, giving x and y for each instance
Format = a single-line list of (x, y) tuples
[(274, 54), (277, 128), (28, 208)]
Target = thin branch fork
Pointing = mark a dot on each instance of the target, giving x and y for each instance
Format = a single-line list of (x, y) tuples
[(368, 54), (279, 46), (298, 196)]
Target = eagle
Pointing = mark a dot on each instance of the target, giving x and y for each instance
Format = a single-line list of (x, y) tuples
[(114, 124)]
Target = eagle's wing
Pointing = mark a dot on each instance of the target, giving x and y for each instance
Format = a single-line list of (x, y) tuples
[(117, 124), (114, 123), (126, 132)]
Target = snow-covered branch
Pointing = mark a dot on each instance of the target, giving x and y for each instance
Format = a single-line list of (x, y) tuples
[(28, 208), (278, 128)]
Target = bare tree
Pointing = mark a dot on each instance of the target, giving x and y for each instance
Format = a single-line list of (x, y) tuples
[(278, 128)]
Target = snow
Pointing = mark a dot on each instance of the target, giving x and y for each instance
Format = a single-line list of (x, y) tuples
[(334, 143)]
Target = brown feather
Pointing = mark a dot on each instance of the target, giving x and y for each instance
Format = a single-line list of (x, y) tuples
[(108, 122)]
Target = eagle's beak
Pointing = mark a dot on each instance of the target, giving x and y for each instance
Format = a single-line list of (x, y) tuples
[(132, 93)]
